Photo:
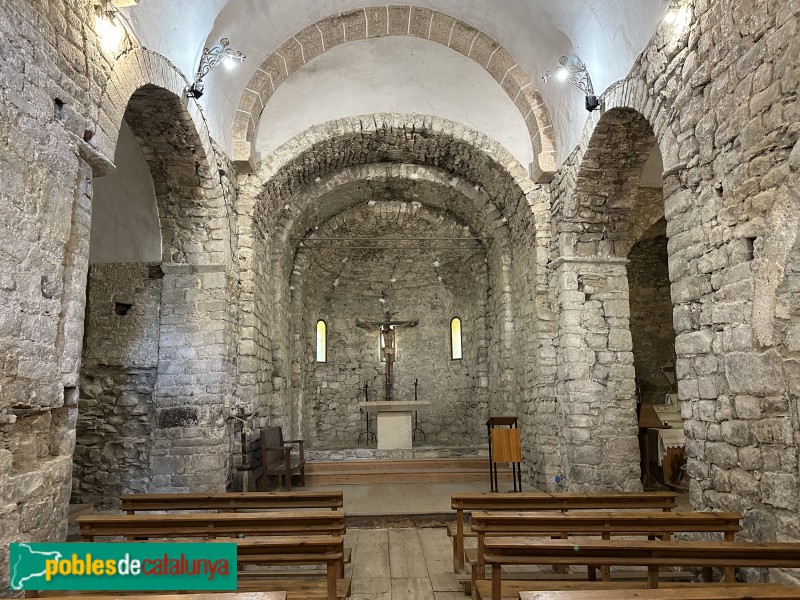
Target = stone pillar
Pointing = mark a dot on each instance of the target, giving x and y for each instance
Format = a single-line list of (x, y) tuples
[(192, 440), (595, 389)]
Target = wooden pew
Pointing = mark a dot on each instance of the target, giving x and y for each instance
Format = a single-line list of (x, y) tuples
[(739, 592), (283, 551), (463, 502), (212, 525), (594, 523), (293, 550), (501, 551), (232, 501)]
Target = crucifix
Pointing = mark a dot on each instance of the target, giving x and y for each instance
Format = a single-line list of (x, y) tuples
[(388, 350)]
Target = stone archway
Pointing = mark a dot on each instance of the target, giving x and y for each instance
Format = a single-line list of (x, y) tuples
[(601, 215), (377, 21), (159, 364), (382, 148)]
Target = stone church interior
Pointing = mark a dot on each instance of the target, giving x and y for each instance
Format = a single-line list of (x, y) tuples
[(481, 277)]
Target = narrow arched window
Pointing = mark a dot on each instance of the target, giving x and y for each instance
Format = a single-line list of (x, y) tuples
[(455, 339), (322, 341)]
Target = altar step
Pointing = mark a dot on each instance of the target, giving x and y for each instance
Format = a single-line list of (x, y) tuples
[(450, 470)]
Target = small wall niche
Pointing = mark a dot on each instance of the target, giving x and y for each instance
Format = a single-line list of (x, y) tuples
[(121, 308)]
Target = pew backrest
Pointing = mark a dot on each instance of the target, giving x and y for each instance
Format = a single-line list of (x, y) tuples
[(232, 501), (463, 502), (211, 525)]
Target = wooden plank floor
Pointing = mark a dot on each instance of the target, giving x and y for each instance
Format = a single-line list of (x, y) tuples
[(402, 564)]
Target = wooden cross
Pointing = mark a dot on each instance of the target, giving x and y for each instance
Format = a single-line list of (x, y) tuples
[(388, 349)]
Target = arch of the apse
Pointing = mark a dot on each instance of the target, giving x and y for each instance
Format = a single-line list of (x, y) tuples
[(387, 20), (397, 138)]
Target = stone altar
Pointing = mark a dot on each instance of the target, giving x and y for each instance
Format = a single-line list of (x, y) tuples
[(394, 421)]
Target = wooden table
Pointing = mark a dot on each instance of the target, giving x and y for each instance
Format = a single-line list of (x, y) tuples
[(738, 592)]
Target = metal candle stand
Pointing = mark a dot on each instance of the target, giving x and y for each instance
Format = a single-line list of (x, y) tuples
[(370, 435), (416, 422)]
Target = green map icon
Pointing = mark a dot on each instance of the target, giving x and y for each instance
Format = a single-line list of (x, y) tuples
[(27, 564)]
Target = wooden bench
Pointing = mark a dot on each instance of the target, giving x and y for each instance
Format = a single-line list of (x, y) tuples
[(293, 550), (463, 502), (277, 458), (739, 592), (212, 525), (653, 555), (660, 525), (285, 551), (232, 501)]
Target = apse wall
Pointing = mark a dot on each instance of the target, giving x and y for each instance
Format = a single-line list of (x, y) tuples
[(342, 286)]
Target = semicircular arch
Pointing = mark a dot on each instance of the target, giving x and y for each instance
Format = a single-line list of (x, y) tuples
[(392, 20)]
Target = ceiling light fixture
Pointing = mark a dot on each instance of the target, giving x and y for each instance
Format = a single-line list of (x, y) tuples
[(211, 58), (573, 69)]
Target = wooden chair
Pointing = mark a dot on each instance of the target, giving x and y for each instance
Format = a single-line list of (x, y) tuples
[(277, 458)]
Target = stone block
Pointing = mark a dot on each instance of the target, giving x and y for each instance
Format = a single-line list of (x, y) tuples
[(780, 490), (377, 21), (421, 22), (692, 344), (399, 16), (736, 433), (754, 374), (721, 454), (773, 431)]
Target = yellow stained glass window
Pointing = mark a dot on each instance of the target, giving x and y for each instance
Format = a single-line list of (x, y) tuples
[(322, 341), (456, 352)]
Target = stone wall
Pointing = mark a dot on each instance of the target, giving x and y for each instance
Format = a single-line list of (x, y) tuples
[(47, 81), (116, 411), (343, 285), (651, 316), (717, 87)]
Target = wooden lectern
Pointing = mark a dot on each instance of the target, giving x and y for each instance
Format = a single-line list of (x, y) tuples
[(648, 419), (504, 447)]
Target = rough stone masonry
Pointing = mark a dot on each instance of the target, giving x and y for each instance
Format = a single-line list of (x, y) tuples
[(162, 354)]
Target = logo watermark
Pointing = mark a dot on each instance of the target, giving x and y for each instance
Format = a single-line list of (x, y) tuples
[(118, 566)]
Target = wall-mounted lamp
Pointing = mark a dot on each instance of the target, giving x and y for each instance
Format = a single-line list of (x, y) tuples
[(109, 27), (572, 69), (210, 59)]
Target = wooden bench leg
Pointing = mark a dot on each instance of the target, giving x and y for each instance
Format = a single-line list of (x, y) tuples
[(497, 582), (708, 574), (729, 573), (331, 577), (652, 577), (458, 543)]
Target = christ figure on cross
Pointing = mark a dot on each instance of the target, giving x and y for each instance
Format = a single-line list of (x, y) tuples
[(388, 349)]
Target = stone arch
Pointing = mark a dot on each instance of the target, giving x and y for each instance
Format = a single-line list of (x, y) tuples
[(402, 146), (174, 314), (379, 21), (600, 212), (605, 190), (399, 138), (148, 88)]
